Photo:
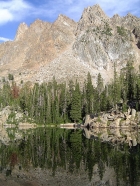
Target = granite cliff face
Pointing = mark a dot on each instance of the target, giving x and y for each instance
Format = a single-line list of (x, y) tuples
[(69, 50), (102, 42)]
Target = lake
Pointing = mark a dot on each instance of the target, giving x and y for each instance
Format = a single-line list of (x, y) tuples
[(76, 157)]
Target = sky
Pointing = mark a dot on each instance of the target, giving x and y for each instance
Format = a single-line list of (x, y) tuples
[(14, 12)]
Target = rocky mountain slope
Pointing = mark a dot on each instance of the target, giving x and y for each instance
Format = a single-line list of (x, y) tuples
[(69, 50)]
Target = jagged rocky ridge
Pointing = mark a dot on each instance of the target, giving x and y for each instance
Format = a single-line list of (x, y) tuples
[(69, 50)]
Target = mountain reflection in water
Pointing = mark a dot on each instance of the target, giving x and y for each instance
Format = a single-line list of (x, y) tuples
[(54, 156)]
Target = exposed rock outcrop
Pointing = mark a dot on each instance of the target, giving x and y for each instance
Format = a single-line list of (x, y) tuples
[(21, 30), (69, 50), (113, 119), (117, 131)]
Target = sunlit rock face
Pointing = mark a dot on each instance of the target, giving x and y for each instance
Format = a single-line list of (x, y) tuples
[(115, 127), (102, 42), (69, 50)]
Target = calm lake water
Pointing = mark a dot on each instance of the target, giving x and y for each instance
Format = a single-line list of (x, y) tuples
[(61, 157)]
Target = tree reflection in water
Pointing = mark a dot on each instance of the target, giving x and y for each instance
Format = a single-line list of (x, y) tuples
[(112, 157)]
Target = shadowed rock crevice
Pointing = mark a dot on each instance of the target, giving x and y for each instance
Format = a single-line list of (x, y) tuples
[(138, 44), (136, 33)]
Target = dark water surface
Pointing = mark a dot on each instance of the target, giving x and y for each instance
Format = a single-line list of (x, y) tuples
[(61, 157)]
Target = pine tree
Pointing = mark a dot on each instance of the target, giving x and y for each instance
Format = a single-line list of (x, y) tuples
[(69, 98), (89, 95), (138, 92), (63, 103), (48, 108), (99, 90), (128, 83), (104, 100), (75, 112), (130, 77), (100, 85), (6, 98), (116, 88), (84, 102)]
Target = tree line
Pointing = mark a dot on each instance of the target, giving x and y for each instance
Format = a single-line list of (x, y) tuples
[(69, 102)]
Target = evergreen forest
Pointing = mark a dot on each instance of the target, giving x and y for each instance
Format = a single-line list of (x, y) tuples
[(55, 103)]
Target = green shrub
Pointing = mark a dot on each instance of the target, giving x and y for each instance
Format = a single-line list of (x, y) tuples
[(3, 79), (121, 31), (11, 118), (10, 77), (107, 30)]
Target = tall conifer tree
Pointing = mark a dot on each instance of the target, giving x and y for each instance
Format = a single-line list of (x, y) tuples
[(75, 112), (89, 94)]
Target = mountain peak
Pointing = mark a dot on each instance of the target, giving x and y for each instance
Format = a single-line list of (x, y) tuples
[(116, 20), (95, 11), (65, 23), (48, 49), (64, 20), (21, 30), (92, 17), (97, 8), (39, 23), (38, 26)]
